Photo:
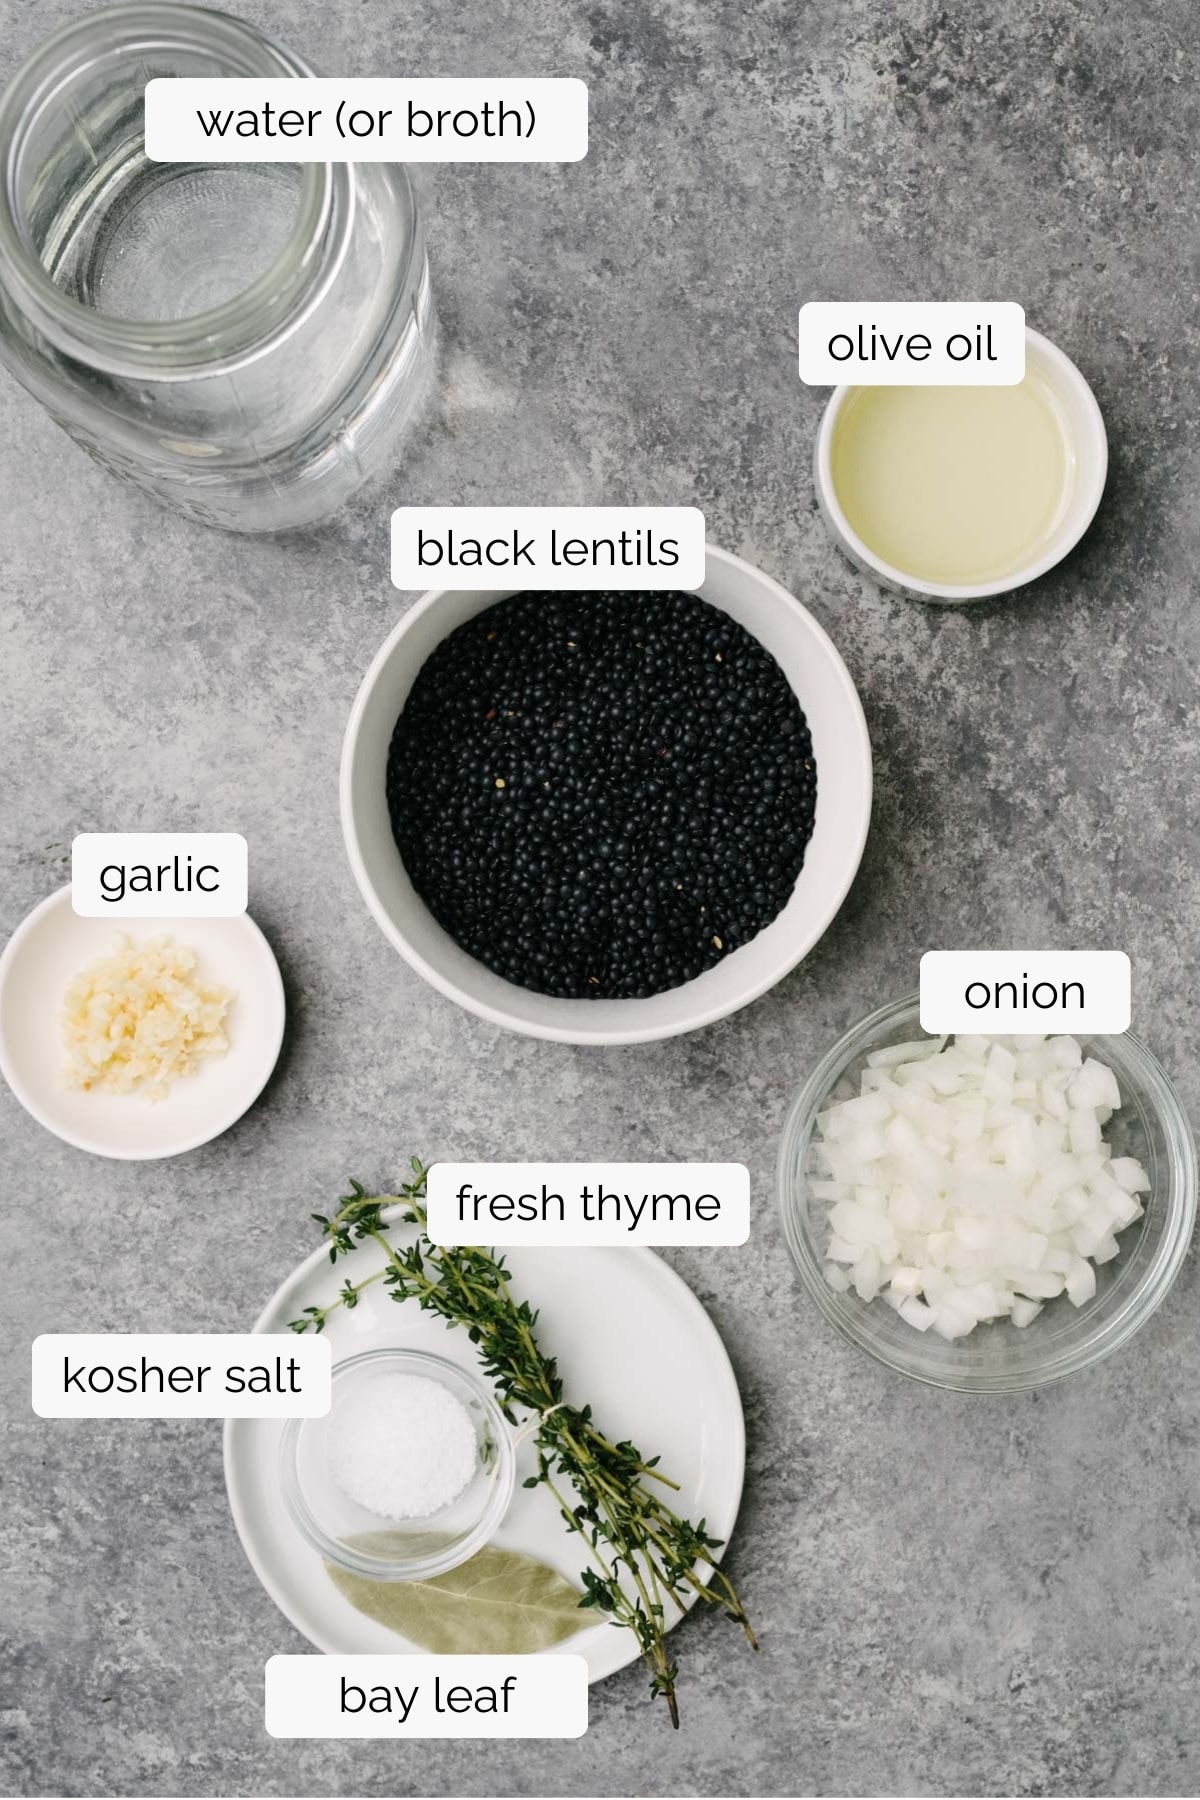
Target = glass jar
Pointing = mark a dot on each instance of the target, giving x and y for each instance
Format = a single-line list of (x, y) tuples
[(246, 341)]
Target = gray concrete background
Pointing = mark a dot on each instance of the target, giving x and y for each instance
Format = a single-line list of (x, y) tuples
[(953, 1595)]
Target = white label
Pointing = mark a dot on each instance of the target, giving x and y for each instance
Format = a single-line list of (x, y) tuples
[(481, 547), (1025, 991), (912, 343), (193, 1375), (427, 1696), (570, 1205), (374, 119), (159, 874)]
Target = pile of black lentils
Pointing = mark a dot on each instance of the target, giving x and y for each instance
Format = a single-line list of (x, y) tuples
[(601, 795)]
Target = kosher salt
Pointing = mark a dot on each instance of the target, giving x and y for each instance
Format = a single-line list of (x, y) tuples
[(402, 1446)]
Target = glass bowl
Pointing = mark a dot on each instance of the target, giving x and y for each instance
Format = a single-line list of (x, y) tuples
[(999, 1357), (411, 1549)]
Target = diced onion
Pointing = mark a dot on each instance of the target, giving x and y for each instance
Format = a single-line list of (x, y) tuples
[(970, 1179)]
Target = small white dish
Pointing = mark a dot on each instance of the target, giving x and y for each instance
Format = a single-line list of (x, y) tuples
[(608, 1316), (822, 683), (1088, 453), (50, 947)]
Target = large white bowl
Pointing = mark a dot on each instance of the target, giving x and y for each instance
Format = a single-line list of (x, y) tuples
[(843, 755)]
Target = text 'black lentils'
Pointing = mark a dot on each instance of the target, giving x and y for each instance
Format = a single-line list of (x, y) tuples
[(602, 795)]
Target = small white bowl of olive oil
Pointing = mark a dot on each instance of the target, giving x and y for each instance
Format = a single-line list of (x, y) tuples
[(958, 493)]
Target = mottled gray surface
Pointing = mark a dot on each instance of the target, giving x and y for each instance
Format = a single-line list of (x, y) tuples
[(953, 1595)]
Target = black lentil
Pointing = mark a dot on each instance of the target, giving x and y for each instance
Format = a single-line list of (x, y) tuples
[(601, 795)]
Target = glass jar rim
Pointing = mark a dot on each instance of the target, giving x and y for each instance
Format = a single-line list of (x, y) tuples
[(226, 335)]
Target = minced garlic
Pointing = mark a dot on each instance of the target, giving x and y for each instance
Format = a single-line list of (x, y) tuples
[(137, 1019)]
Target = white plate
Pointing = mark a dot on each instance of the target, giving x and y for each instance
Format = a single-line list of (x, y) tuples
[(41, 958), (630, 1338)]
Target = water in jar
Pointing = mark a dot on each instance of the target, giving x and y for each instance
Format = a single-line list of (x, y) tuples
[(248, 341)]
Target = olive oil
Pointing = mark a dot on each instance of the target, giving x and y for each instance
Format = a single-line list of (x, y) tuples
[(953, 485)]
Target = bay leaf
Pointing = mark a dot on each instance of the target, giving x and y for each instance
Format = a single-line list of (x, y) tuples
[(498, 1603)]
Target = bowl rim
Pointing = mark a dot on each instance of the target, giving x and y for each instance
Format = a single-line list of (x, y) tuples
[(859, 751), (1093, 467), (437, 1562), (1137, 1306)]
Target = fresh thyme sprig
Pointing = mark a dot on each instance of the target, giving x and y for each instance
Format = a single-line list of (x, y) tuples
[(645, 1554)]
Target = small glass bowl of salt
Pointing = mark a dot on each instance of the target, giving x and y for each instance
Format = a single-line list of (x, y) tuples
[(408, 1474)]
